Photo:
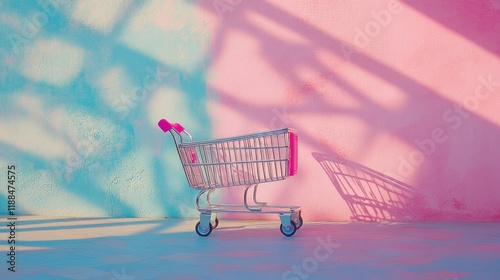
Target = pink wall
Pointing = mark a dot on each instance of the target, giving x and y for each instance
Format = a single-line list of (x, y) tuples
[(396, 102)]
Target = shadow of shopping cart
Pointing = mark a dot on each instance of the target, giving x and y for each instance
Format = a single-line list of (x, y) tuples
[(370, 195)]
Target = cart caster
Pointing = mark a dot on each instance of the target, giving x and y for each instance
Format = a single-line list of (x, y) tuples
[(203, 231), (289, 230), (300, 222), (216, 223)]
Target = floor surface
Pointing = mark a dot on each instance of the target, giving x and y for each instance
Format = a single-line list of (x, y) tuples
[(125, 249)]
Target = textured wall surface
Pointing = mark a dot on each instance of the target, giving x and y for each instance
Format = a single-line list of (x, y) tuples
[(395, 102)]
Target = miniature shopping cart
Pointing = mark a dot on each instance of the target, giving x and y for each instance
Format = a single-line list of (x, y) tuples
[(246, 160)]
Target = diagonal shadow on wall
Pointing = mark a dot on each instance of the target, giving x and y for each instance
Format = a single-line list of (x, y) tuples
[(370, 195), (413, 120), (475, 15)]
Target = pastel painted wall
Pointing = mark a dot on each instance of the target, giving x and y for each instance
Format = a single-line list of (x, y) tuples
[(396, 103)]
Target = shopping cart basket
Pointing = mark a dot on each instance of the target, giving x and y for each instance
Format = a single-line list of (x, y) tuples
[(246, 160)]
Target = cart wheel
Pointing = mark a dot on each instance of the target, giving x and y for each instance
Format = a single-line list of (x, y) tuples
[(300, 222), (216, 223), (201, 231), (290, 230)]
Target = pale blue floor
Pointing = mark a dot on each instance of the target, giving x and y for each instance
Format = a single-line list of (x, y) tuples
[(121, 249)]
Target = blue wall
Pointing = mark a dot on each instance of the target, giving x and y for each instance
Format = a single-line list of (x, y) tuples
[(82, 85)]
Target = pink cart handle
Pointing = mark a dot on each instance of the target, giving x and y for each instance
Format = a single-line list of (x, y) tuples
[(178, 127), (165, 125)]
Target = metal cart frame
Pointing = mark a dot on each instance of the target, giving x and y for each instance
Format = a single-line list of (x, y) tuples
[(246, 160)]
